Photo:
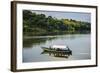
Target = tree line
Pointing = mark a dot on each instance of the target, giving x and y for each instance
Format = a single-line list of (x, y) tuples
[(40, 24)]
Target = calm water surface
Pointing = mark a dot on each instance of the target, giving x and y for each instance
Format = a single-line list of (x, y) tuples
[(78, 43)]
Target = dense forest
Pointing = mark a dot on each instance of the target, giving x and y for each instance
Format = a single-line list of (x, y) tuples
[(40, 24)]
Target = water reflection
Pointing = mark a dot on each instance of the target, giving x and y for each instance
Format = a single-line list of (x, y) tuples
[(80, 44), (37, 40), (56, 54)]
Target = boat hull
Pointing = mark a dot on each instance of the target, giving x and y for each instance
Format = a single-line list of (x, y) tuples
[(57, 52)]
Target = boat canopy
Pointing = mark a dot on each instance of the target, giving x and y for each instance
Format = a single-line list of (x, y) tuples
[(59, 46)]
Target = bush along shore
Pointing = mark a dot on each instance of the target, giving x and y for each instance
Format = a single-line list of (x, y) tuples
[(39, 24)]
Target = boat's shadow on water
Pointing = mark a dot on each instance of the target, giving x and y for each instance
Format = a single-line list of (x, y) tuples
[(56, 55)]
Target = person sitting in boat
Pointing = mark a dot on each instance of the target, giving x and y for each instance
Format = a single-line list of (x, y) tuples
[(58, 49), (54, 49), (70, 52), (68, 48), (50, 48)]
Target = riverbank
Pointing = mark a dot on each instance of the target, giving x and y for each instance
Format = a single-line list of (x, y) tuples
[(54, 33)]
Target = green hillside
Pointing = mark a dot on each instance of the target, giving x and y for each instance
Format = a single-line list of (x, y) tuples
[(40, 24)]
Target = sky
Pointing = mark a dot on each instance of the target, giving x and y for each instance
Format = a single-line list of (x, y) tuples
[(79, 16)]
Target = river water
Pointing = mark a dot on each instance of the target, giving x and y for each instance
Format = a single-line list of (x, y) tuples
[(80, 44)]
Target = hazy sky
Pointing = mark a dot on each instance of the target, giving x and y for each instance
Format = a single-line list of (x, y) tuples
[(80, 16)]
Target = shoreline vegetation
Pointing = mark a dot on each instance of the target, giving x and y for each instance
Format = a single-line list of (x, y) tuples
[(41, 25)]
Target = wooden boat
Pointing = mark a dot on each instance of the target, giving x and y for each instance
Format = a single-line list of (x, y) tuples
[(57, 50)]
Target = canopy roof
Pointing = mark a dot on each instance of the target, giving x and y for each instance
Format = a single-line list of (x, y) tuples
[(59, 46)]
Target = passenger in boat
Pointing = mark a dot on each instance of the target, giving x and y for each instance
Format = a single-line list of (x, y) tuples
[(58, 49), (54, 49), (50, 48), (68, 48)]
